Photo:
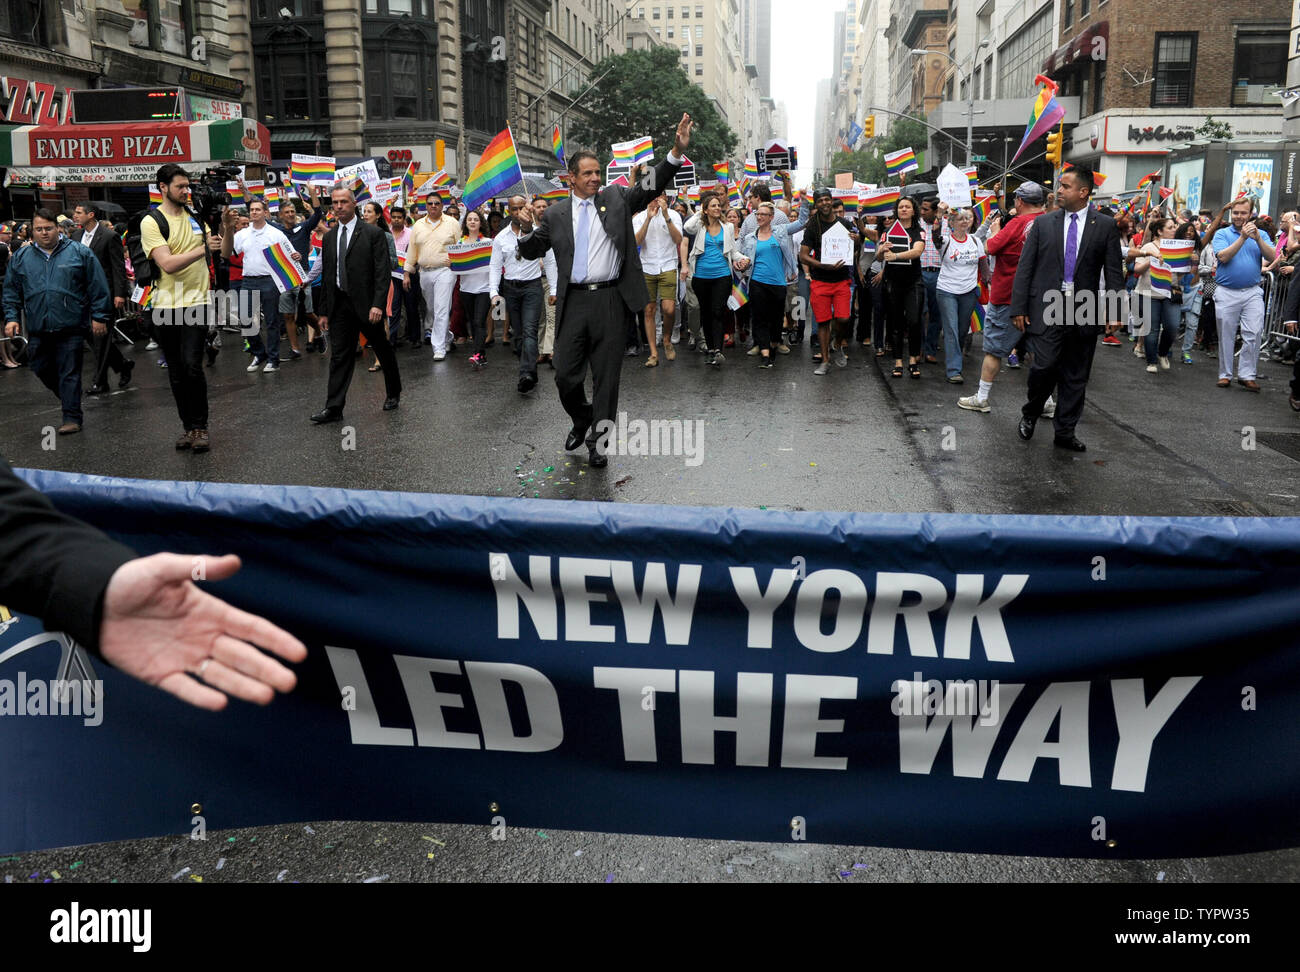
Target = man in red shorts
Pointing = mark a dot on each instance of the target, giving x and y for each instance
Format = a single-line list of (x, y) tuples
[(828, 291)]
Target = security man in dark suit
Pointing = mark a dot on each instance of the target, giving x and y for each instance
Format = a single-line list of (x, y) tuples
[(107, 247), (601, 285), (354, 290), (1072, 245)]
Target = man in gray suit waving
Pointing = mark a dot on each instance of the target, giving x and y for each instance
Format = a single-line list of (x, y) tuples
[(1074, 243), (600, 283)]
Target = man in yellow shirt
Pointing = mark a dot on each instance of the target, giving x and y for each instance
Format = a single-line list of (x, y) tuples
[(181, 300), (429, 267)]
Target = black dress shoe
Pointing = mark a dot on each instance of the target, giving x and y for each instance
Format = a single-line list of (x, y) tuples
[(124, 376), (327, 414), (595, 459), (97, 389), (390, 403), (1026, 427), (526, 384), (1071, 443), (576, 436)]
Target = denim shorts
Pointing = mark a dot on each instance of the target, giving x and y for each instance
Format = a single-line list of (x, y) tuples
[(1000, 335)]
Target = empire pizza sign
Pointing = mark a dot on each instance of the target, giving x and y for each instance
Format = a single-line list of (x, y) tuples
[(110, 145)]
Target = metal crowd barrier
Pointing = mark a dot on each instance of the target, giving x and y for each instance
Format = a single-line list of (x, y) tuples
[(1276, 341)]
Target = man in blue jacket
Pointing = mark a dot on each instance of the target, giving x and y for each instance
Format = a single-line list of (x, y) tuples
[(62, 288)]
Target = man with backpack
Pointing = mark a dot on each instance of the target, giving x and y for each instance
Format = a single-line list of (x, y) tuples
[(173, 250)]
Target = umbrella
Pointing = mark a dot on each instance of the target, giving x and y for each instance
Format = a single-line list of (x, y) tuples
[(920, 189)]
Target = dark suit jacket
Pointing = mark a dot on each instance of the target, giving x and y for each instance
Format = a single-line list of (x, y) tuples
[(107, 246), (368, 270), (615, 205), (52, 566), (1041, 271)]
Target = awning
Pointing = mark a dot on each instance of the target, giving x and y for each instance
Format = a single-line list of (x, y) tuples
[(299, 135), (1080, 46), (127, 152)]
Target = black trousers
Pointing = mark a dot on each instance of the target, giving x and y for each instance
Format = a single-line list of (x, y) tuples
[(592, 332), (1062, 362), (903, 313), (344, 330), (712, 295), (182, 346), (476, 307), (107, 355), (767, 303)]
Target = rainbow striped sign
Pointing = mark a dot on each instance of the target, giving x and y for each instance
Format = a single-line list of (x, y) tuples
[(878, 201), (555, 195), (256, 188), (977, 319), (900, 162), (311, 168), (1162, 279), (1176, 254), (155, 196), (778, 191), (637, 150), (285, 270), (271, 195), (751, 170), (739, 298), (733, 194), (972, 176), (467, 257), (850, 199)]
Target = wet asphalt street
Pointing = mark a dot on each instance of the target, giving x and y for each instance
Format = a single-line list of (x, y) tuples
[(856, 440)]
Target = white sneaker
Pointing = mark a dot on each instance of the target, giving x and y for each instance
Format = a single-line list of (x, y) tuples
[(255, 366), (752, 351), (271, 367), (823, 369), (973, 403), (1164, 363), (1152, 369), (841, 358), (151, 346), (1049, 409), (439, 355), (677, 334), (1138, 350), (783, 348)]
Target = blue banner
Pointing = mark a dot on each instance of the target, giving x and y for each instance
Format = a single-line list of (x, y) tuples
[(1083, 687)]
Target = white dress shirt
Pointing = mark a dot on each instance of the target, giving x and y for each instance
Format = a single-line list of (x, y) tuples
[(250, 242), (659, 252), (88, 235), (506, 260)]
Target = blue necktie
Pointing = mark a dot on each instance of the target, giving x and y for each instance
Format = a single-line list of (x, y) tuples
[(579, 274), (1071, 247)]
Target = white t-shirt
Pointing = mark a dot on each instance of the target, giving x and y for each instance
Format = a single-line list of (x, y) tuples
[(251, 241), (959, 266)]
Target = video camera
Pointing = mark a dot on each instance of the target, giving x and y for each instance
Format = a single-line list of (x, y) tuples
[(208, 195)]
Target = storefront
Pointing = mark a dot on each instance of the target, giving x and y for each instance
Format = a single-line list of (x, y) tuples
[(1206, 176), (58, 166)]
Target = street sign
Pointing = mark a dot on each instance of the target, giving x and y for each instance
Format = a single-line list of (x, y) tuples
[(979, 158)]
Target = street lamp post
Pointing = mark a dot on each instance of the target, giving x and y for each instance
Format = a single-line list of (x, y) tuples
[(970, 89)]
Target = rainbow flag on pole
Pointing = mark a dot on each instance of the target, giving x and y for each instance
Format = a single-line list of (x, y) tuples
[(408, 183), (1176, 254), (360, 190), (466, 257), (983, 205), (497, 170), (1148, 179), (900, 162), (637, 150), (284, 268), (1045, 115), (878, 201), (972, 176), (722, 170), (557, 143)]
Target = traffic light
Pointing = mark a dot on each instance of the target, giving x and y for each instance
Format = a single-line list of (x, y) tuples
[(439, 154), (869, 126), (1054, 148)]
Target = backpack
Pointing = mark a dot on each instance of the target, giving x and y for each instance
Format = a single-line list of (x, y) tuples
[(147, 273)]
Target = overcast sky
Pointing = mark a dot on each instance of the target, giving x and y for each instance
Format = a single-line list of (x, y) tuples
[(803, 46)]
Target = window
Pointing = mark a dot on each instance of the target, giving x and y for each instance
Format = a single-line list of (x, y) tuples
[(1259, 62), (699, 32), (391, 8), (1174, 59), (658, 32), (484, 80), (699, 50), (988, 77), (290, 64), (1069, 12), (400, 75), (640, 12), (699, 11), (670, 31), (668, 14), (686, 13), (699, 70), (1021, 57), (555, 67)]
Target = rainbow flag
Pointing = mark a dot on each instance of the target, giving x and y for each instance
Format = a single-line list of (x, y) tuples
[(408, 182), (850, 199), (972, 176), (360, 190), (900, 162), (1176, 254), (778, 191), (984, 204), (637, 150), (155, 196), (751, 170), (1149, 178), (1162, 279), (311, 168), (271, 195), (1045, 115), (733, 194), (555, 195), (284, 268), (722, 170), (693, 193), (977, 319), (557, 143), (878, 201), (466, 257), (141, 296), (497, 170), (739, 298)]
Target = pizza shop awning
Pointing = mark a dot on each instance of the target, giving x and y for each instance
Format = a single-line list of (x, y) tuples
[(128, 152)]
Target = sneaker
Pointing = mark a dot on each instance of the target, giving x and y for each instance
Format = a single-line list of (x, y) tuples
[(1187, 358), (162, 362), (752, 351), (255, 366), (440, 356), (841, 358), (1138, 351), (765, 362), (1164, 363), (677, 335), (199, 441), (973, 403), (955, 379), (716, 359), (1152, 369), (1013, 360), (631, 351), (294, 355), (151, 346), (822, 369), (1111, 341), (271, 367), (783, 348), (1049, 409), (476, 361)]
